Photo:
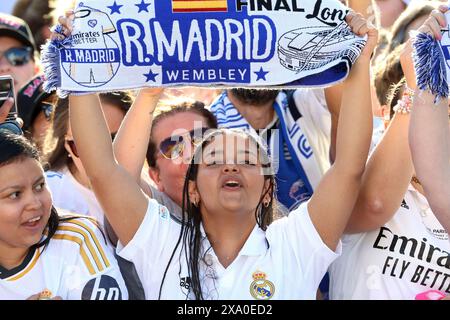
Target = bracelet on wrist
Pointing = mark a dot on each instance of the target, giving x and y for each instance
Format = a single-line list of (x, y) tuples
[(405, 103)]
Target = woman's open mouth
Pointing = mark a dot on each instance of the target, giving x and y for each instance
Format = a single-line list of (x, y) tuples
[(32, 223), (231, 185)]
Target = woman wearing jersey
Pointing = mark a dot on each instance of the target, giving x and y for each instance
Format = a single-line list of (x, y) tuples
[(222, 251), (43, 255), (396, 244)]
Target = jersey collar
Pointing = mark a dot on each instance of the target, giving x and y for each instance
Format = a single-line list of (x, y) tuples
[(255, 245), (7, 273)]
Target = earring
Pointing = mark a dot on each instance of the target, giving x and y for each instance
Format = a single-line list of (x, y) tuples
[(266, 203), (195, 202)]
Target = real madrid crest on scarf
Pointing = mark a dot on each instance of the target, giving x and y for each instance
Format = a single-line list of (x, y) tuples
[(261, 288), (119, 44)]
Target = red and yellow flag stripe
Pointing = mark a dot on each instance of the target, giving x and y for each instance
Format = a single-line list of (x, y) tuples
[(199, 6)]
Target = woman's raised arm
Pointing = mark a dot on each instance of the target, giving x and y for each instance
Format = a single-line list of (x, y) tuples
[(333, 200), (117, 191)]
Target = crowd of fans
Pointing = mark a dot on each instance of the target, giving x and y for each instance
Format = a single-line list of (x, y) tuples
[(121, 192)]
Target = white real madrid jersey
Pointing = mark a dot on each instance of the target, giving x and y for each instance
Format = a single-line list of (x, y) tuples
[(76, 265), (68, 194), (407, 256), (287, 261)]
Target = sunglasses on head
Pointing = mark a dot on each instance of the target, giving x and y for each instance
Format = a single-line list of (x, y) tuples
[(173, 146), (73, 146), (17, 56)]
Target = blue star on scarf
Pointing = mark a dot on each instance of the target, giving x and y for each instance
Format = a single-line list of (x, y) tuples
[(115, 8), (151, 76), (143, 6), (261, 74)]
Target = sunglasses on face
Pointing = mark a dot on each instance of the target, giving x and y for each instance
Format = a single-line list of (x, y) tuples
[(47, 108), (173, 147), (17, 56), (73, 147)]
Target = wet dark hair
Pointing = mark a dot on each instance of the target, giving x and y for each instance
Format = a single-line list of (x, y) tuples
[(196, 107), (13, 149), (254, 97), (190, 233)]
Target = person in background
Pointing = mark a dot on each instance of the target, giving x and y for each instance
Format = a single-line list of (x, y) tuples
[(38, 16), (389, 10), (205, 95), (395, 242), (35, 108), (386, 68), (18, 55), (409, 20), (387, 75), (66, 178)]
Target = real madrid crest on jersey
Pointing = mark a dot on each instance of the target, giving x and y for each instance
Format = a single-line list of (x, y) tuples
[(261, 289)]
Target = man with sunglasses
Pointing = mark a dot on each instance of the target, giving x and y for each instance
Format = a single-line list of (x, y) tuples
[(17, 49)]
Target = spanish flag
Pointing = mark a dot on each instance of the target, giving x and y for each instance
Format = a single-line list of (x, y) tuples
[(199, 6)]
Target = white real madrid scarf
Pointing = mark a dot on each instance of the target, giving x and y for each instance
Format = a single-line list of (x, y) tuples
[(122, 44)]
